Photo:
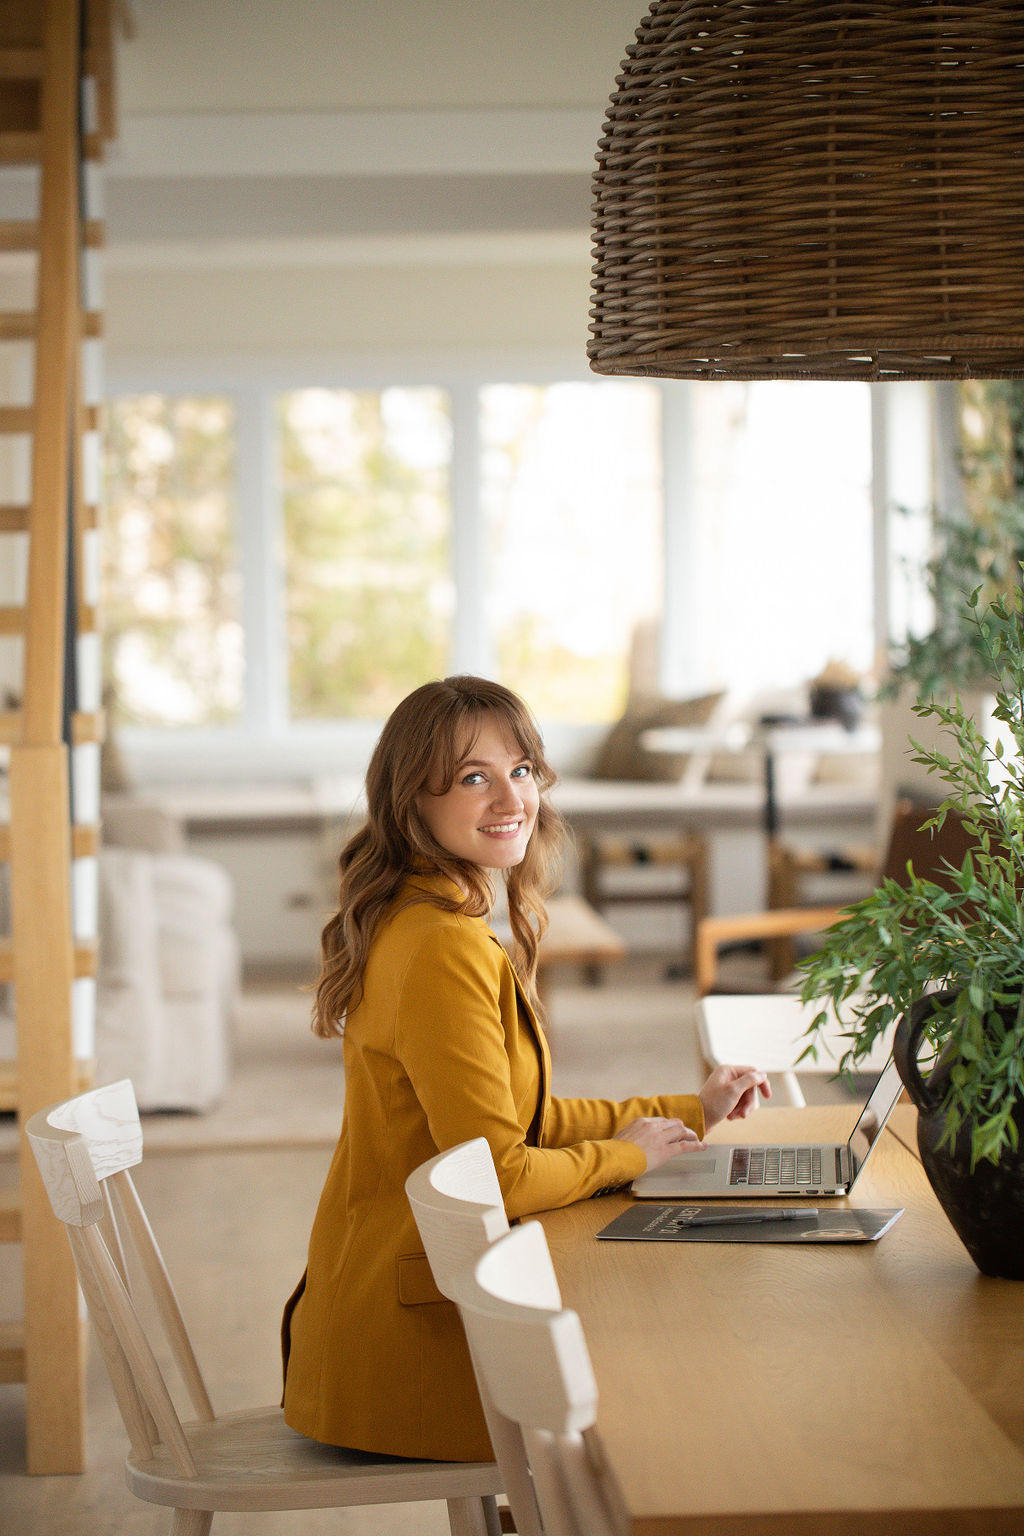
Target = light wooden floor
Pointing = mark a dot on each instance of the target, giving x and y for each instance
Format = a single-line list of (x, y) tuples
[(234, 1224)]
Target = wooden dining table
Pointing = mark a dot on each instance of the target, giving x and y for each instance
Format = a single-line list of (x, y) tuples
[(872, 1389)]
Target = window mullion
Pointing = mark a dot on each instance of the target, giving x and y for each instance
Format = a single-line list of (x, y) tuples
[(266, 677), (471, 644), (681, 617)]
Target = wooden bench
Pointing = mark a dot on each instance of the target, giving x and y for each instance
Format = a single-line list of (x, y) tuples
[(578, 934)]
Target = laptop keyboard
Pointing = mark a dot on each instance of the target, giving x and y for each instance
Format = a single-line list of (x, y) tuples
[(776, 1167)]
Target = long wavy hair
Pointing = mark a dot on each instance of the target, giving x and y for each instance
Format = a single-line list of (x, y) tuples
[(424, 740)]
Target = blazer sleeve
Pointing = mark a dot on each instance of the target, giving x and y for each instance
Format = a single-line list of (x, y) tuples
[(569, 1120), (451, 1039)]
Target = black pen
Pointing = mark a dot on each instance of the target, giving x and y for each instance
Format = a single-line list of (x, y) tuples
[(737, 1218)]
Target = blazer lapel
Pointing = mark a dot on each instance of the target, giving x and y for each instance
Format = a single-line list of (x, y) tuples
[(539, 1037)]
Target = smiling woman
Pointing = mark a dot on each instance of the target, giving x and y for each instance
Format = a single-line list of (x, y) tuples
[(444, 1041)]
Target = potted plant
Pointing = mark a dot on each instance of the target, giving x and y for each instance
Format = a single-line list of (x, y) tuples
[(948, 963)]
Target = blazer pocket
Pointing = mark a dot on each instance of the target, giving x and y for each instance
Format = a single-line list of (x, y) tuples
[(415, 1282)]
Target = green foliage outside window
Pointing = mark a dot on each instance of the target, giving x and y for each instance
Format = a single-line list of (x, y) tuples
[(171, 585), (980, 551), (364, 480)]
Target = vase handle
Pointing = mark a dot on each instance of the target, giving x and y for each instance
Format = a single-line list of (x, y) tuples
[(905, 1045)]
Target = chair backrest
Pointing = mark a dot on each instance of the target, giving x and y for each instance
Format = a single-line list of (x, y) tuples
[(533, 1358), (930, 851), (84, 1148), (457, 1205)]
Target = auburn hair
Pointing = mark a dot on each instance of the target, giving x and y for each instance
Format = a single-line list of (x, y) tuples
[(424, 740)]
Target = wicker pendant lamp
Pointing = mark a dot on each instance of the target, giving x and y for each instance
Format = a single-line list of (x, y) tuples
[(799, 189)]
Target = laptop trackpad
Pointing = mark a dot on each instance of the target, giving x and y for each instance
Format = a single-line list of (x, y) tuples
[(688, 1164)]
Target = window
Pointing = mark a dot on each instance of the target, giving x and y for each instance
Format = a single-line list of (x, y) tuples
[(366, 505), (571, 499), (557, 535), (782, 508), (171, 583)]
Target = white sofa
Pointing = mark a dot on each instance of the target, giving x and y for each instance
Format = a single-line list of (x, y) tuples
[(168, 976), (169, 970)]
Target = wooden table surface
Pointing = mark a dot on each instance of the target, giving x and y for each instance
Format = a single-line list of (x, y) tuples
[(761, 1390)]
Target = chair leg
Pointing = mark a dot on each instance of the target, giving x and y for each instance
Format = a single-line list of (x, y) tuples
[(782, 892), (472, 1517), (191, 1522), (591, 972)]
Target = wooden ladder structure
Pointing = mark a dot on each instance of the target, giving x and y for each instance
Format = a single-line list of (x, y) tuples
[(52, 81)]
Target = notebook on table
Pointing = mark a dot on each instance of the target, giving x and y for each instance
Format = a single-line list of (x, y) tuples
[(800, 1170)]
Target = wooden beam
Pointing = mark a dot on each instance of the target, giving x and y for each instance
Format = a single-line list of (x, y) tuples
[(23, 234), (56, 372), (86, 727), (23, 324), (24, 147), (21, 63), (40, 831), (15, 519), (25, 418), (10, 1216), (84, 960), (43, 971), (20, 147), (12, 1352), (85, 1078), (85, 840), (99, 62)]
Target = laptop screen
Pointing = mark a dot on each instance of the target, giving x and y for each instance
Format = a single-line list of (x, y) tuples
[(874, 1114)]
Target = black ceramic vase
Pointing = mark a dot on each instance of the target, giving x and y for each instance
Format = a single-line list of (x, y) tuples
[(985, 1205)]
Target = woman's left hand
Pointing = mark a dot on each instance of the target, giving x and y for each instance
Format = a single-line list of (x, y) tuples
[(730, 1093)]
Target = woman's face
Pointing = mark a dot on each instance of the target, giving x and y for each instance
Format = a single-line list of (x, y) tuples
[(488, 814)]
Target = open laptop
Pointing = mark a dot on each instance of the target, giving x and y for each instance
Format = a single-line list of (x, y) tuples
[(813, 1168)]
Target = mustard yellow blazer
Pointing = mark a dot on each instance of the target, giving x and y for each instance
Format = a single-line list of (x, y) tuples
[(442, 1047)]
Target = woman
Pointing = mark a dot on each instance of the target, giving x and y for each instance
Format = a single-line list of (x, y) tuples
[(443, 1043)]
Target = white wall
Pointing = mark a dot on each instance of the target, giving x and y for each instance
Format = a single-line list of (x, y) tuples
[(356, 177), (296, 55), (253, 312)]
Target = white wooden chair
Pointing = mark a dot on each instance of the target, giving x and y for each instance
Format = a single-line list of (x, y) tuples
[(456, 1201), (247, 1460), (532, 1357)]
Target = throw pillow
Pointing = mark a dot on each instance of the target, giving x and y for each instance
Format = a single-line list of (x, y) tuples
[(622, 754)]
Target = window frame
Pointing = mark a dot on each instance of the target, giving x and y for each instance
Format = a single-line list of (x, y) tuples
[(265, 742)]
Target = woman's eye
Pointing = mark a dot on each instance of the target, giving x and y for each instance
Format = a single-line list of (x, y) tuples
[(523, 771), (473, 778)]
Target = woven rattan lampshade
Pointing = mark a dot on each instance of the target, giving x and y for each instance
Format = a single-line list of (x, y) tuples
[(799, 189)]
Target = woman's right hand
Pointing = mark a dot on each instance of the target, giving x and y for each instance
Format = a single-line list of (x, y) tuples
[(659, 1138)]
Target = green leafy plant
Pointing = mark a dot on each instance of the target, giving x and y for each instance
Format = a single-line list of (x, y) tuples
[(903, 941), (979, 548), (968, 555)]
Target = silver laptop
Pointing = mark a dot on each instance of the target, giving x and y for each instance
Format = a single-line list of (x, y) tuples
[(813, 1168)]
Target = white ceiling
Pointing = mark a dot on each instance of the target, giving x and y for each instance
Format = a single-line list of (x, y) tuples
[(189, 56), (339, 131)]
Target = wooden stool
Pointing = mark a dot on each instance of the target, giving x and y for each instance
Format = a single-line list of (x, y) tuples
[(685, 856), (575, 932)]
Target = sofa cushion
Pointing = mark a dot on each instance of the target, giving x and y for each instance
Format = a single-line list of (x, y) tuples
[(622, 754)]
